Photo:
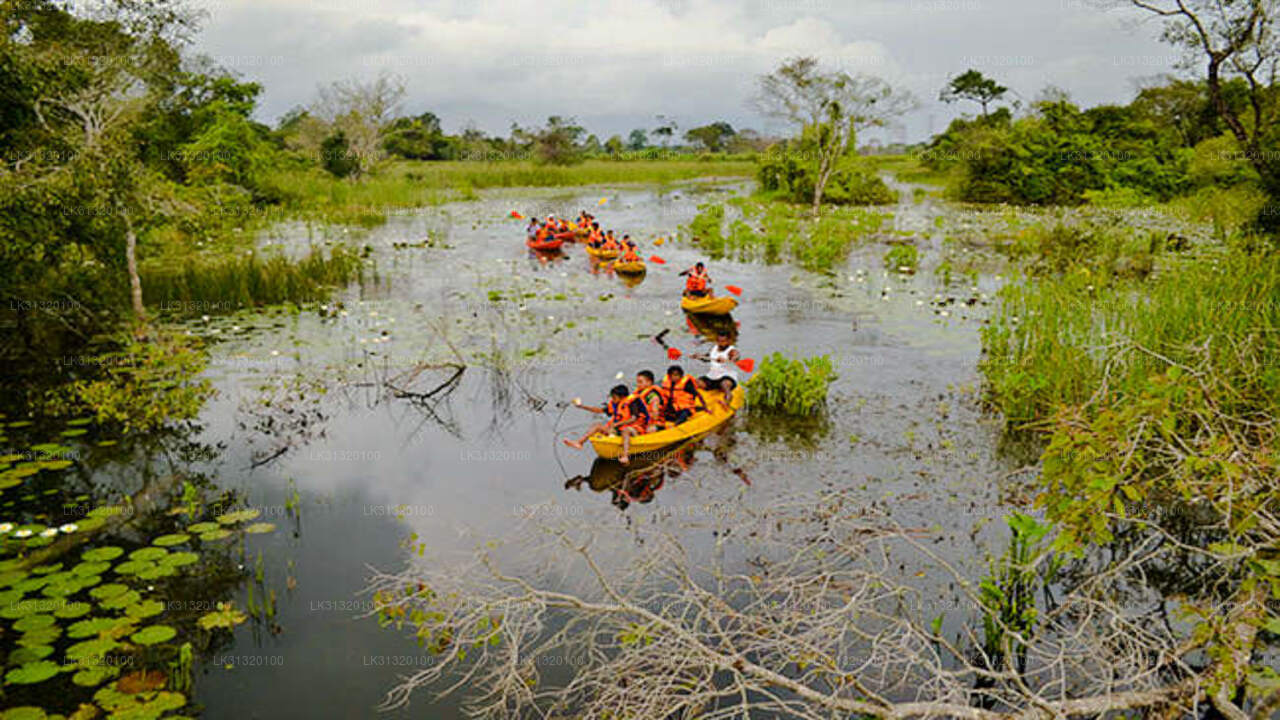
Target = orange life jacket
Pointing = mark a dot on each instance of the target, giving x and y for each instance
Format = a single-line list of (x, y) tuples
[(630, 255), (696, 282), (610, 244), (622, 416), (681, 395)]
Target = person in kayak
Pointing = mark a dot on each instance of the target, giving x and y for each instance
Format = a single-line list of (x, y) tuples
[(627, 415), (682, 396), (720, 373), (652, 396), (697, 282), (629, 255), (532, 230), (610, 243)]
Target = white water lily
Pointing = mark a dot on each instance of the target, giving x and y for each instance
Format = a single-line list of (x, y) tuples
[(275, 353), (48, 532), (23, 533), (5, 527), (619, 376), (204, 318), (69, 528)]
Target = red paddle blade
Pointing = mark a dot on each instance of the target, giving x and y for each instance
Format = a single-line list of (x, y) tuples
[(673, 354), (516, 215), (656, 259), (747, 364), (733, 289)]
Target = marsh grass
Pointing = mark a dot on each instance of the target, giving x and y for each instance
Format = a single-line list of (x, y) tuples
[(220, 284), (1057, 340), (790, 385), (775, 232)]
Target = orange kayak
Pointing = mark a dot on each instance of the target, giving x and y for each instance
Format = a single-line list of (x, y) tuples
[(546, 245)]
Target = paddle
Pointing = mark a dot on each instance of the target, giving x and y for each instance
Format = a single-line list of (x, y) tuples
[(672, 353), (734, 289), (657, 260), (516, 215)]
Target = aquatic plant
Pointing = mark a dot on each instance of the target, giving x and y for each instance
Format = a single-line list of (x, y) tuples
[(902, 258), (204, 285), (1008, 593), (774, 232), (789, 385)]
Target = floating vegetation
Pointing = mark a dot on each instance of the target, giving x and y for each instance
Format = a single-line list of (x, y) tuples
[(89, 604), (903, 258)]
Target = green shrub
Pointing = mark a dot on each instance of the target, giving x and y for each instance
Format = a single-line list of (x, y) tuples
[(902, 257), (790, 176), (791, 386)]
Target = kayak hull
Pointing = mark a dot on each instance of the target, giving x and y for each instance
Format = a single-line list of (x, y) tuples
[(602, 254), (545, 246), (708, 306), (610, 446), (630, 268), (564, 236)]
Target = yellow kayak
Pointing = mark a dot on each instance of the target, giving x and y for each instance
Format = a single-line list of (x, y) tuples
[(602, 254), (629, 268), (709, 306), (610, 446)]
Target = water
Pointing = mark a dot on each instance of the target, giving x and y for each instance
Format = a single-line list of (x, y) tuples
[(904, 428)]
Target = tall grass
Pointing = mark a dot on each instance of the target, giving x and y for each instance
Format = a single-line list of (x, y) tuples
[(1057, 340), (775, 231), (401, 185), (790, 385), (207, 285)]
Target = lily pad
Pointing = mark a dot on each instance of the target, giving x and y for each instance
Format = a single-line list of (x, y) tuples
[(93, 627), (180, 559), (95, 675), (110, 590), (203, 527), (133, 567), (122, 601), (90, 649), (46, 569), (148, 553), (232, 518), (259, 528), (33, 622), (170, 540), (213, 535), (144, 609), (26, 712), (153, 634), (43, 636), (225, 616), (108, 552), (157, 571), (73, 610), (32, 673), (30, 654), (91, 568)]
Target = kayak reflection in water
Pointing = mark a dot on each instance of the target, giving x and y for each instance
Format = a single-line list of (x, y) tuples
[(637, 483)]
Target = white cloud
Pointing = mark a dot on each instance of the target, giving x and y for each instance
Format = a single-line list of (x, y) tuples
[(614, 64)]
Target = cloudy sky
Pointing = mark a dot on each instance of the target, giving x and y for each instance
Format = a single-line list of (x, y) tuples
[(616, 64)]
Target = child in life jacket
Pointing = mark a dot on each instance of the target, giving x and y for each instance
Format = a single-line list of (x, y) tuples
[(697, 282), (627, 416)]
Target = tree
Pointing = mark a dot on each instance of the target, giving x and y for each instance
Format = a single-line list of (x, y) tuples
[(556, 143), (713, 137), (974, 86), (1234, 39), (637, 140), (363, 110), (614, 146), (417, 138), (666, 129), (808, 618), (834, 106)]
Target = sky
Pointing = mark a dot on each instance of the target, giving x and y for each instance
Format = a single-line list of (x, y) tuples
[(615, 65)]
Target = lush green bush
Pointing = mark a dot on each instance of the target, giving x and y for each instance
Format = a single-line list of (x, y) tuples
[(789, 172), (902, 257), (793, 386), (1060, 153)]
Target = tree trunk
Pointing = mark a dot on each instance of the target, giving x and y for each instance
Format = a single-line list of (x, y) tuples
[(131, 261)]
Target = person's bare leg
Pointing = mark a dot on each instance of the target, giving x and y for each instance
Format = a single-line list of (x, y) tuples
[(625, 457), (577, 444), (726, 391)]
